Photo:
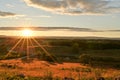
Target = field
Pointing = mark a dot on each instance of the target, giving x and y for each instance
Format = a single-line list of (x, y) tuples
[(14, 69), (70, 59)]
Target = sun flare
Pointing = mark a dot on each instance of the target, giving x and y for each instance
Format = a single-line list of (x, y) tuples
[(27, 33)]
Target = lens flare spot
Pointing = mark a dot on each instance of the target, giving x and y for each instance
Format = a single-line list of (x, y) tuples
[(27, 33)]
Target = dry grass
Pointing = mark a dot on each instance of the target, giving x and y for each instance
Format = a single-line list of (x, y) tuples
[(41, 68)]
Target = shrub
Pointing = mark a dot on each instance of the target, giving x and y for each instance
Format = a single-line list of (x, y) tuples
[(75, 48), (85, 58)]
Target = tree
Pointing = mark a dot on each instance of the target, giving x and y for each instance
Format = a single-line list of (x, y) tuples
[(85, 58), (75, 48)]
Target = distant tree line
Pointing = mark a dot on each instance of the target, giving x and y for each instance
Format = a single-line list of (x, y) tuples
[(100, 61), (88, 44)]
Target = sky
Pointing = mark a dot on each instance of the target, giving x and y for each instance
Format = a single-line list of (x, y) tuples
[(93, 14)]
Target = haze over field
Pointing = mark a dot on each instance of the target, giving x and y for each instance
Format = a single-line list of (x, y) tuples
[(60, 32)]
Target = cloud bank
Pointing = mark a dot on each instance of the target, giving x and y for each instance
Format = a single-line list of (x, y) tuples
[(8, 14), (77, 7)]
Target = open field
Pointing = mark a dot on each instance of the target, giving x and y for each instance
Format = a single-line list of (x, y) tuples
[(39, 69), (74, 59)]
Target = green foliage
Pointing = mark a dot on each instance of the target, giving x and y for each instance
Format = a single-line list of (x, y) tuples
[(49, 58), (85, 58), (86, 44), (3, 49), (97, 52), (75, 48)]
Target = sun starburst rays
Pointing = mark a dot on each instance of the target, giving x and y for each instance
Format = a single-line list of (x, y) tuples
[(47, 53), (13, 48), (27, 33), (27, 44)]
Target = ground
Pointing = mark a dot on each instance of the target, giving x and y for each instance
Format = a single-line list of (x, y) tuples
[(38, 68)]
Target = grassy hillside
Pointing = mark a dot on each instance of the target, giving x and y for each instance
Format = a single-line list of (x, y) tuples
[(74, 59), (99, 52)]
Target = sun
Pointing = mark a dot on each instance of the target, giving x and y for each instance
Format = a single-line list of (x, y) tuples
[(27, 33)]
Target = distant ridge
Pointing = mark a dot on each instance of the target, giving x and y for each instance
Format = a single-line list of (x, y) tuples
[(57, 28), (56, 37), (47, 28)]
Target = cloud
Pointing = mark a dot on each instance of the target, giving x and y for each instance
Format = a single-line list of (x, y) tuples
[(45, 16), (10, 5), (76, 7), (8, 14), (42, 16)]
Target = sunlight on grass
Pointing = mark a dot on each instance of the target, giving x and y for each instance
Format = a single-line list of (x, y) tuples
[(24, 44)]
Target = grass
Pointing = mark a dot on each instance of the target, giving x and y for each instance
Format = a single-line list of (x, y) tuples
[(41, 70), (101, 53)]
